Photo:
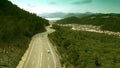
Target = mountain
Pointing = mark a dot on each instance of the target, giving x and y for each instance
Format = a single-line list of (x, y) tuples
[(17, 27), (79, 15), (106, 21), (63, 15), (53, 15)]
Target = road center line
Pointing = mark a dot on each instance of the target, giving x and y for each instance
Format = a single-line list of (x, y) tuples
[(40, 60), (41, 55), (48, 58), (52, 53)]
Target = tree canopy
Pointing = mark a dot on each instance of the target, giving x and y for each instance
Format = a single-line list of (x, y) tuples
[(81, 49), (17, 27)]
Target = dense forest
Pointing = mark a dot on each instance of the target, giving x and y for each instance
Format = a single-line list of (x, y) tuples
[(106, 21), (81, 49), (17, 27)]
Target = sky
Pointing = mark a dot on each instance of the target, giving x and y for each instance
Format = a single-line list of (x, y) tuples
[(69, 6)]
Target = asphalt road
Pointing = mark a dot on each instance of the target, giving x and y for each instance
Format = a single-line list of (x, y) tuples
[(41, 53)]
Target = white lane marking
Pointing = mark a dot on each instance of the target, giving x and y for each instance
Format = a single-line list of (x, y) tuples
[(48, 58), (48, 66), (41, 60), (38, 61), (31, 44), (33, 62), (51, 53)]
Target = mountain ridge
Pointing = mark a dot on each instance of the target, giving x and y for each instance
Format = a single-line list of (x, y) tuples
[(63, 15), (109, 22)]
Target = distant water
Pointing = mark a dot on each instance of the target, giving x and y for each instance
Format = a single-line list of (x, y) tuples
[(53, 18)]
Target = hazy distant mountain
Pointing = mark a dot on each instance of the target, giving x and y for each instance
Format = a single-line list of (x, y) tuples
[(64, 15), (53, 15), (79, 15)]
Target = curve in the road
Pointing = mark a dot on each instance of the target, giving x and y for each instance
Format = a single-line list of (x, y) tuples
[(38, 56)]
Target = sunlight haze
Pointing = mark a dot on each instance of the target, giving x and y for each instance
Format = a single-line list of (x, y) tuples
[(69, 6)]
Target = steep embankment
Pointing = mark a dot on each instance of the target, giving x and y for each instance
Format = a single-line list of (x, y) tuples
[(17, 26)]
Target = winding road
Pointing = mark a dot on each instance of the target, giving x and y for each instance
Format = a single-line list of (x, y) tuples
[(41, 53)]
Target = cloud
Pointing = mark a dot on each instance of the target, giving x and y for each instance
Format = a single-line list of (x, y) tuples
[(81, 2), (53, 3), (74, 2), (30, 5)]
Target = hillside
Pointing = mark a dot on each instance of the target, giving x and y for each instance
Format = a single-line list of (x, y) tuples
[(106, 21), (82, 49), (69, 20), (17, 27)]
